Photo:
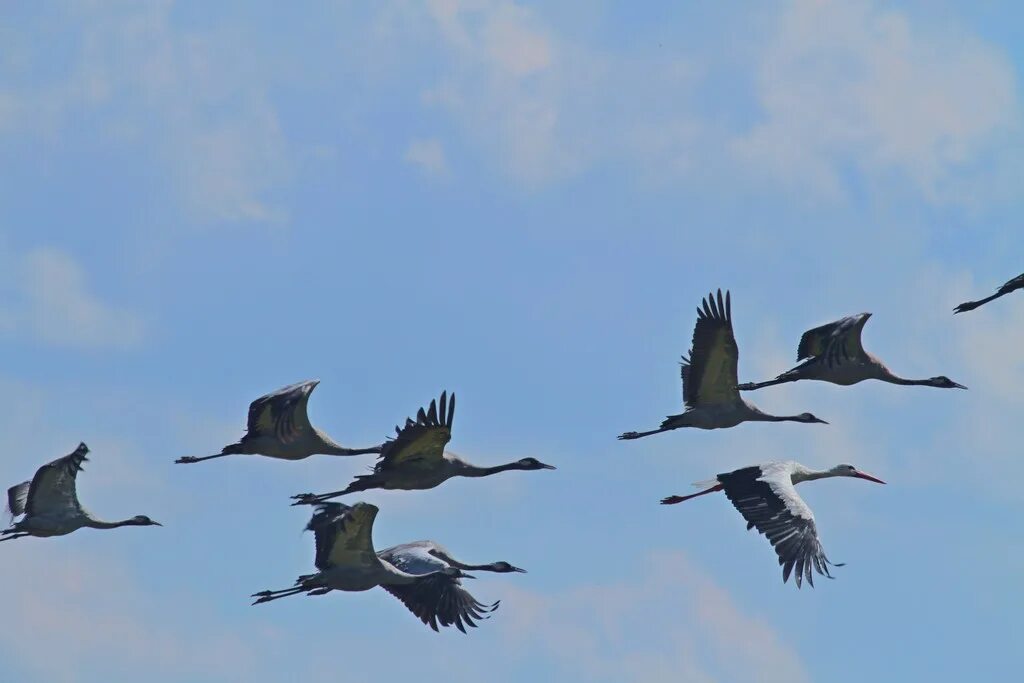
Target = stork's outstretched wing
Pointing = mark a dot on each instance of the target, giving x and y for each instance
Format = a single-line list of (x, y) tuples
[(52, 490), (420, 442), (769, 502), (709, 374), (282, 414)]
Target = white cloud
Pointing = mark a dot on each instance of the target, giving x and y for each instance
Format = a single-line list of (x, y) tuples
[(50, 300), (194, 101), (704, 634), (853, 84), (428, 156)]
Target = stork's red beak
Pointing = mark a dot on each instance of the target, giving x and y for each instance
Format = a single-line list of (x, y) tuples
[(863, 475)]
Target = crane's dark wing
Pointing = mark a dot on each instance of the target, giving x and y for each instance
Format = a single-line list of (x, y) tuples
[(769, 502), (441, 599), (281, 414), (344, 534), (17, 498), (53, 487), (709, 373), (420, 442), (836, 342)]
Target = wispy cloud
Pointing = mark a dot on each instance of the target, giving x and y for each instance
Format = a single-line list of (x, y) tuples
[(193, 100), (428, 156), (705, 634), (50, 300)]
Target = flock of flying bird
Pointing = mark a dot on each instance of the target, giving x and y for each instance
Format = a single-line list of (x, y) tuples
[(424, 575)]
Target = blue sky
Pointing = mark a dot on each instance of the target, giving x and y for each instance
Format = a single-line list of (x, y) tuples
[(522, 203)]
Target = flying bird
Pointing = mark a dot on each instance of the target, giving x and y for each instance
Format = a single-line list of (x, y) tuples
[(50, 502), (766, 497), (834, 353), (415, 459), (439, 598), (278, 427), (709, 378), (1013, 285)]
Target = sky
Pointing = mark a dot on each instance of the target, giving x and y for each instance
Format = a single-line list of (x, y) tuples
[(522, 203)]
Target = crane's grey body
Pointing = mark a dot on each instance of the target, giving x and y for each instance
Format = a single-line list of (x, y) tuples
[(709, 378), (441, 598), (415, 459), (1010, 286), (50, 502), (766, 497), (834, 353), (278, 426), (345, 556)]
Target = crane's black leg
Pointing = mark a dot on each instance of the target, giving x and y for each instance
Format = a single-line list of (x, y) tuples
[(267, 596), (626, 436), (12, 536), (188, 459)]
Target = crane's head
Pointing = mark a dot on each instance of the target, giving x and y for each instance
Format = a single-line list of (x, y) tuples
[(810, 419), (533, 464), (944, 382), (505, 568), (143, 520), (851, 471)]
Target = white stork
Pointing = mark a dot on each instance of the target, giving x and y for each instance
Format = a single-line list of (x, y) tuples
[(279, 427), (50, 502), (834, 353), (709, 378), (1012, 285), (415, 459), (766, 497)]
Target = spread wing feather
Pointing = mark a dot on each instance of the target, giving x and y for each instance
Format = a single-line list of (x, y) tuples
[(420, 441), (52, 490), (709, 373)]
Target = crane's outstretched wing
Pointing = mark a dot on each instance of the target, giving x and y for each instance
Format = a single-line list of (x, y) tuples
[(835, 342), (420, 442), (17, 498), (769, 502), (342, 532), (440, 599), (709, 373), (52, 489), (282, 414)]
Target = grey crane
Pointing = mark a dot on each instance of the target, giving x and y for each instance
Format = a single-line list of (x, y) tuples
[(766, 497), (345, 556), (834, 353), (709, 378), (439, 598), (1012, 285), (415, 459), (279, 427), (50, 502)]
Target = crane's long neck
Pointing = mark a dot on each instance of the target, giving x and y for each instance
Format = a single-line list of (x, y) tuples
[(330, 447), (810, 475), (758, 416), (893, 379), (476, 471), (94, 523)]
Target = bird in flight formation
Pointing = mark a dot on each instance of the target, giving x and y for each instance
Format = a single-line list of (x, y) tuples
[(710, 377), (279, 427), (50, 502), (834, 353), (415, 459), (423, 575), (765, 494), (766, 497), (1012, 285)]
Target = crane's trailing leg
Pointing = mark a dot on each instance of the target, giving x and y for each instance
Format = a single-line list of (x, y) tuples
[(626, 436), (267, 596), (12, 536)]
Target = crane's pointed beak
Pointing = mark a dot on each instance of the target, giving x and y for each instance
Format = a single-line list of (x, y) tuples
[(518, 570), (959, 386), (863, 475)]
